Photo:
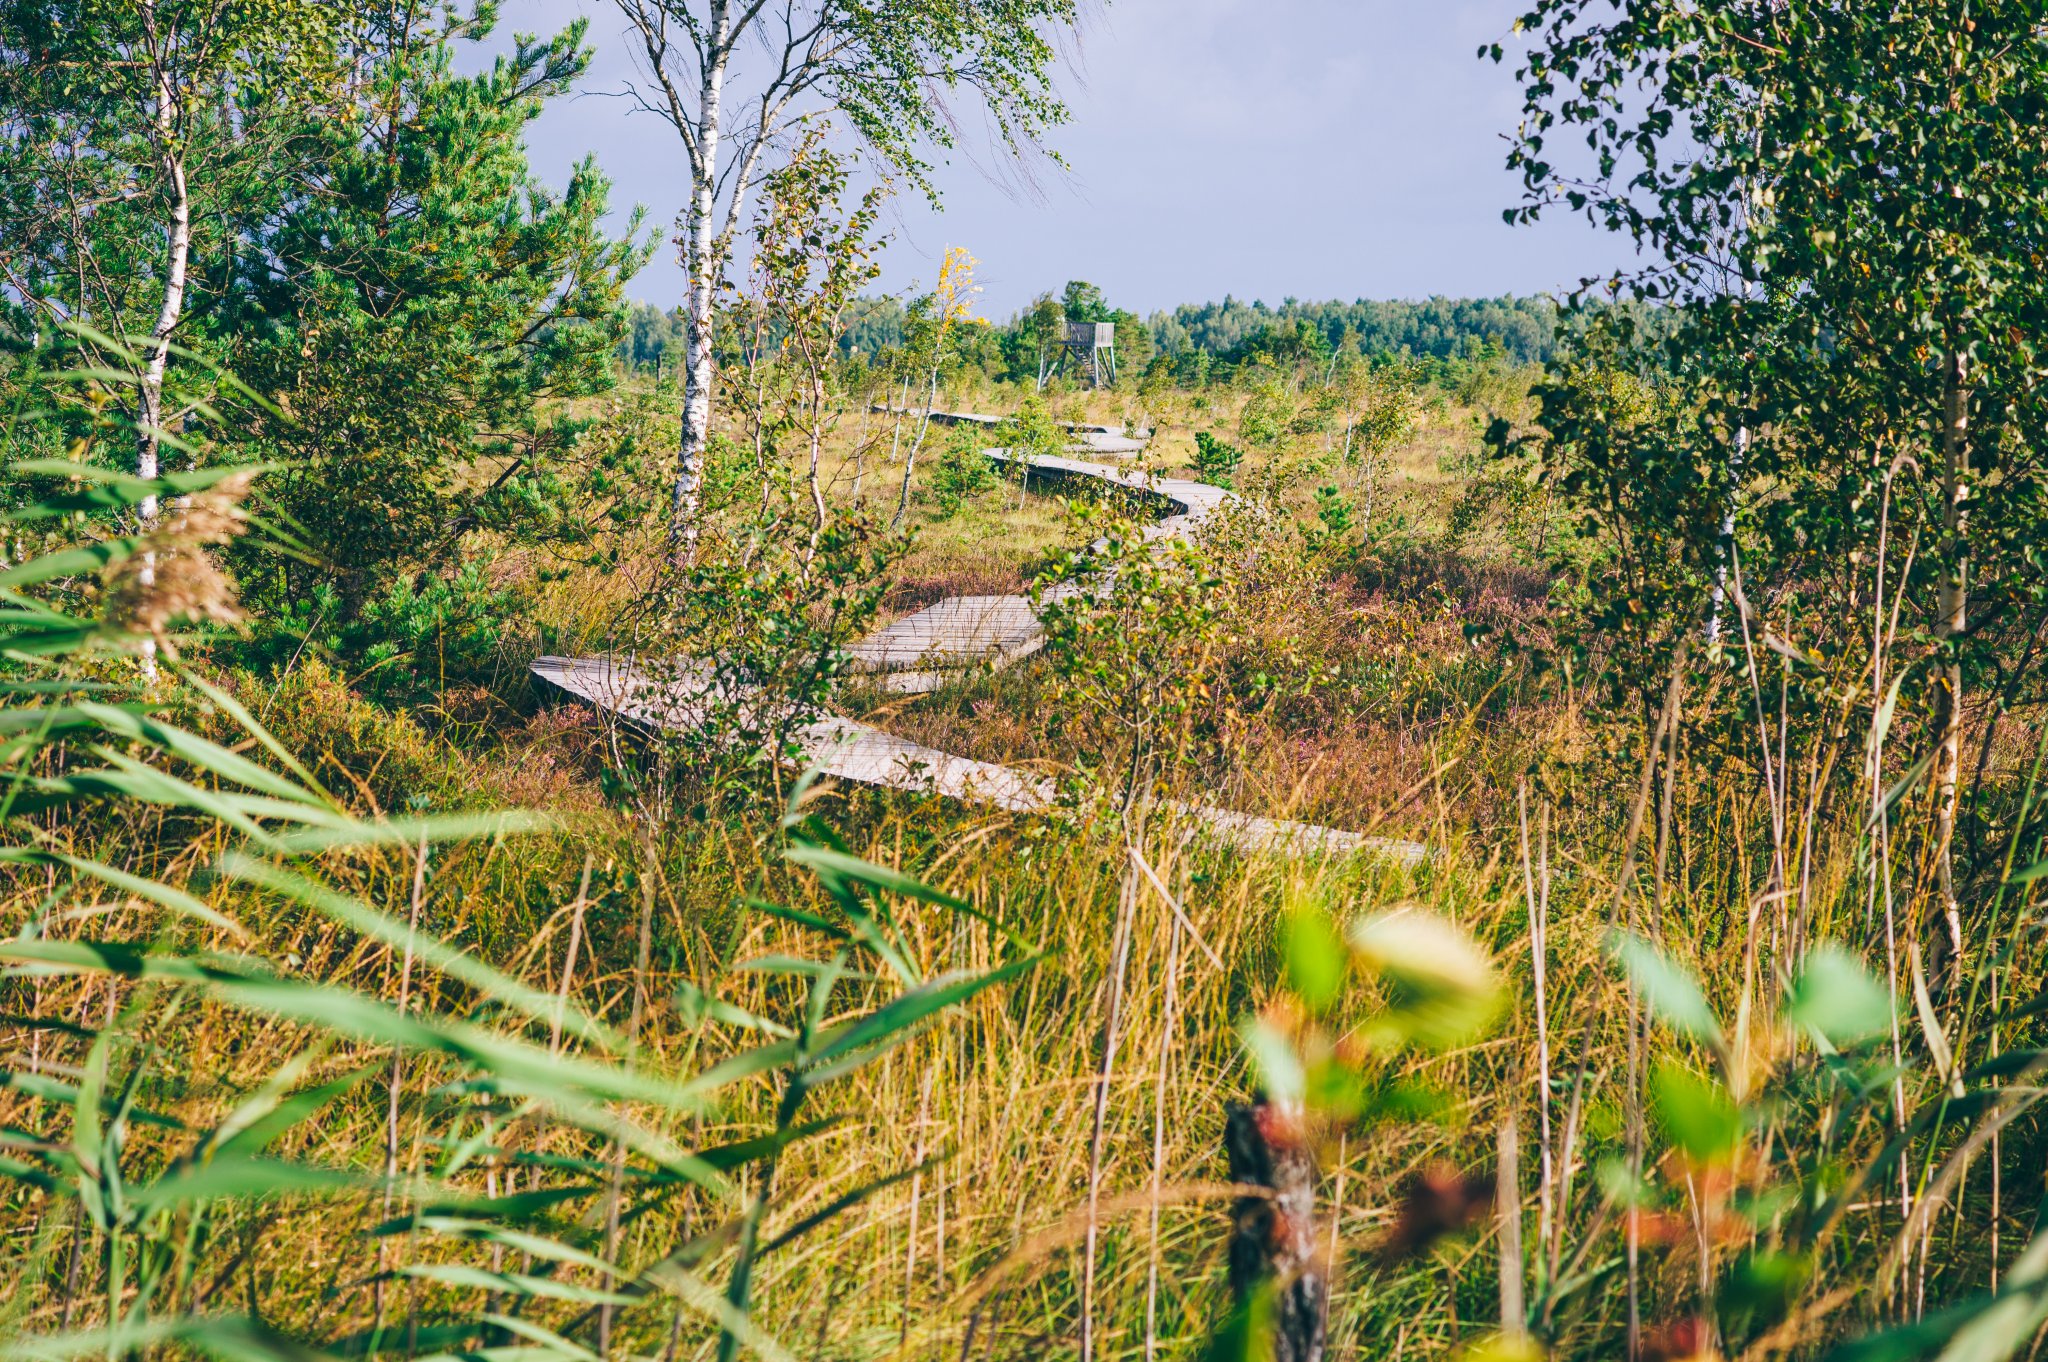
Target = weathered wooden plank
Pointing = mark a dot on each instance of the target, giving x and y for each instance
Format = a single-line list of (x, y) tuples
[(959, 632)]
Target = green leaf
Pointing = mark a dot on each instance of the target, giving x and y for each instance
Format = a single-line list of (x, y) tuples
[(1987, 1328), (48, 1089), (523, 1067), (527, 1329), (1316, 958), (744, 1065), (1275, 1064), (177, 900), (269, 1112), (359, 917), (134, 781), (840, 1204), (230, 1338), (697, 1007), (741, 1152), (900, 1017), (1834, 995), (237, 1178), (86, 560), (837, 865), (127, 959), (1763, 1284), (189, 747), (512, 1283), (790, 964), (1673, 994), (2012, 1321), (1440, 986), (1246, 1334), (538, 1246), (344, 833), (27, 1174), (1697, 1113), (112, 491)]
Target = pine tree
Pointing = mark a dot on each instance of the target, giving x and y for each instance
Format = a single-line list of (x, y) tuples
[(419, 297)]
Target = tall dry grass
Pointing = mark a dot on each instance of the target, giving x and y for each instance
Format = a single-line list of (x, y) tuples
[(1699, 1168)]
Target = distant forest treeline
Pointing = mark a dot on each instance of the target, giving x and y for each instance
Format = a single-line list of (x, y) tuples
[(1521, 330), (1437, 328)]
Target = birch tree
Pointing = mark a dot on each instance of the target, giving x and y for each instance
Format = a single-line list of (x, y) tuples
[(812, 258), (733, 77), (927, 343), (1846, 216), (145, 116)]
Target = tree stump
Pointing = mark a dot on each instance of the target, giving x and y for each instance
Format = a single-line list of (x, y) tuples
[(1273, 1238)]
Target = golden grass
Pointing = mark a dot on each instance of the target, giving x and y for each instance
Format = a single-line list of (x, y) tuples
[(979, 1256)]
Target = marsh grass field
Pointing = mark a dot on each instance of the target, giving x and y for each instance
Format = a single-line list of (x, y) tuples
[(1660, 975), (1048, 1156)]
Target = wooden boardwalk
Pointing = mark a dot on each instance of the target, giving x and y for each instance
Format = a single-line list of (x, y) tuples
[(843, 748), (865, 755), (1103, 441), (920, 653)]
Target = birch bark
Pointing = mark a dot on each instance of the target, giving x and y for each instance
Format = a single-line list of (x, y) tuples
[(910, 461), (699, 371), (156, 356), (1952, 621), (1726, 543), (889, 68), (149, 415)]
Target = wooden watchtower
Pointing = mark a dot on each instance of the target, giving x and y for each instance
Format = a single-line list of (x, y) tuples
[(1092, 348)]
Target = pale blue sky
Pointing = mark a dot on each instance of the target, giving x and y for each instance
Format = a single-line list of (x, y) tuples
[(1261, 148)]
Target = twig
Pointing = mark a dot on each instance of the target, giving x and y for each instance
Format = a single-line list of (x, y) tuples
[(396, 1085), (1173, 930), (1121, 953)]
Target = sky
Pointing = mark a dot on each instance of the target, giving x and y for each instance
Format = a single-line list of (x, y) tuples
[(1263, 149)]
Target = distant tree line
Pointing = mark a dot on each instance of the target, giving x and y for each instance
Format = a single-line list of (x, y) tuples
[(1191, 344), (1522, 329)]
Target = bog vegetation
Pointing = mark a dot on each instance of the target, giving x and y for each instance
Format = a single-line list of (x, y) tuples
[(361, 998)]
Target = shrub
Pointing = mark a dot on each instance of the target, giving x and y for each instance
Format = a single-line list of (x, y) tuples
[(1216, 462), (408, 643), (962, 471)]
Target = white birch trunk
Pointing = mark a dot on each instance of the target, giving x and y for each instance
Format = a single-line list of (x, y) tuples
[(1727, 541), (896, 430), (149, 418), (910, 460), (817, 434), (1952, 621), (860, 447), (156, 357), (702, 263)]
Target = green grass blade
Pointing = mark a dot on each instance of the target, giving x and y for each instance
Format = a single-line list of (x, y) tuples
[(163, 895), (897, 1019), (366, 921), (87, 560), (245, 1179)]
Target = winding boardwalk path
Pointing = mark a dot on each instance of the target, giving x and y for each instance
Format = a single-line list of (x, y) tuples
[(920, 652)]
